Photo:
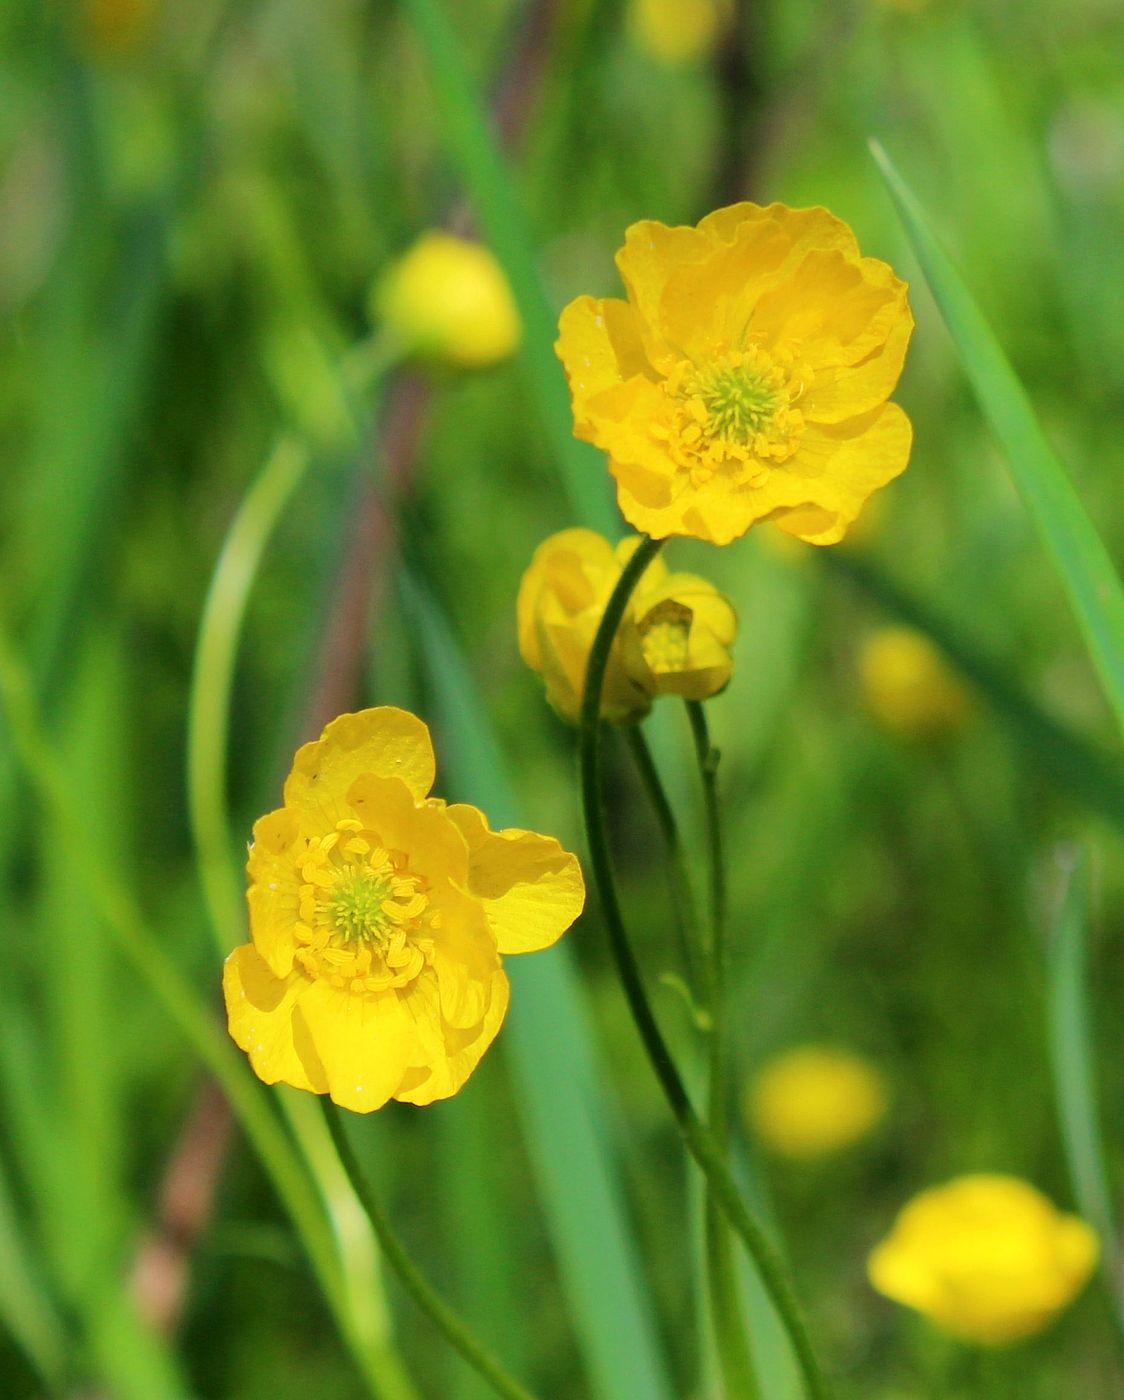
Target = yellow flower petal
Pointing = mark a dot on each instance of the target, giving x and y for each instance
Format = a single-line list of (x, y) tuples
[(436, 847), (652, 252), (561, 600), (365, 1043), (844, 391), (259, 1010), (441, 1076), (851, 460), (839, 310), (601, 344), (388, 742), (530, 888), (274, 891)]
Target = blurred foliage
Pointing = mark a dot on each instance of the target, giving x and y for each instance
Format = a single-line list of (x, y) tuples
[(194, 203)]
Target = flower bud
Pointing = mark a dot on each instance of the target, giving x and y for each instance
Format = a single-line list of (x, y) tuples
[(814, 1100), (909, 687), (447, 300), (674, 638), (987, 1258)]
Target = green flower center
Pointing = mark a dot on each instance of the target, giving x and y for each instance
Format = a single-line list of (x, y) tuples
[(356, 910), (740, 399), (735, 410)]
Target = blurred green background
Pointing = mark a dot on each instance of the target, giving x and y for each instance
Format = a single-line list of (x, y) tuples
[(194, 203)]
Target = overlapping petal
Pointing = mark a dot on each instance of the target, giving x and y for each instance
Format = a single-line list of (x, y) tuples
[(530, 888), (386, 741)]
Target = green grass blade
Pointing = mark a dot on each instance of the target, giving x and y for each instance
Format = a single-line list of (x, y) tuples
[(491, 190), (562, 1096), (113, 903), (1092, 775), (355, 1262), (27, 1309), (1075, 548), (1072, 1053)]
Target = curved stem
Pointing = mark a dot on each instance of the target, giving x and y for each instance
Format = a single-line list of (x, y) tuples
[(683, 901), (220, 627), (696, 1137), (357, 1298), (112, 900), (440, 1314)]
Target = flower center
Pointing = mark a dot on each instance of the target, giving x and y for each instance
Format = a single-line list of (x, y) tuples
[(736, 410), (356, 906), (740, 399), (665, 636), (364, 921)]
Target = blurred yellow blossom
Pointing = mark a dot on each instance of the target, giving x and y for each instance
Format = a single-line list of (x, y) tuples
[(675, 31), (909, 687), (378, 915), (988, 1258), (674, 639), (447, 299), (813, 1100), (746, 377)]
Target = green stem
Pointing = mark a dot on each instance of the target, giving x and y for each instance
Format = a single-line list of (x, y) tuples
[(220, 627), (697, 1138), (683, 900), (440, 1314), (113, 902), (364, 1324), (729, 1325)]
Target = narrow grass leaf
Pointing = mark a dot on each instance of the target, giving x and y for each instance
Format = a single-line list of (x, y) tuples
[(1075, 548), (1076, 764), (561, 1095), (491, 191), (1072, 1053)]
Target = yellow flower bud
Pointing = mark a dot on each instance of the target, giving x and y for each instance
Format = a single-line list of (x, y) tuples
[(813, 1100), (987, 1258), (908, 686), (447, 299), (675, 31), (674, 638)]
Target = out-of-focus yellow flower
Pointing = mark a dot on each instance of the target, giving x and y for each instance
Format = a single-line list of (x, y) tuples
[(447, 299), (909, 687), (378, 915), (988, 1258), (814, 1099), (675, 31), (746, 376), (674, 639)]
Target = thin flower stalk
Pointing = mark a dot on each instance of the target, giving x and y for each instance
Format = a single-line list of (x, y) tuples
[(412, 1280), (697, 1138), (729, 1328)]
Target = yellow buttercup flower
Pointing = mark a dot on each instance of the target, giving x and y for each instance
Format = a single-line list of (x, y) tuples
[(909, 687), (813, 1100), (447, 299), (675, 31), (674, 639), (378, 915), (746, 376), (988, 1258)]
